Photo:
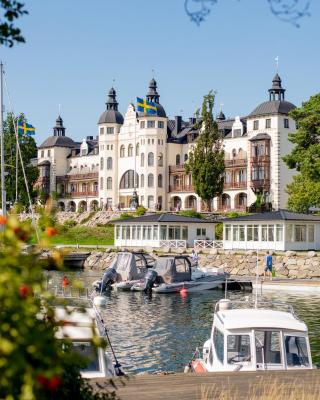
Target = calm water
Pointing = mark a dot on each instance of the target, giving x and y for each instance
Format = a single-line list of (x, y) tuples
[(160, 333)]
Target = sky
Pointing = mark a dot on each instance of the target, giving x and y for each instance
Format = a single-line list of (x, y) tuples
[(76, 50)]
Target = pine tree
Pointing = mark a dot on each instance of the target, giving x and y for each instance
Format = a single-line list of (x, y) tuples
[(206, 160)]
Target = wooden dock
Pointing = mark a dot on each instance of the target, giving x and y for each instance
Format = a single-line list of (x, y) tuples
[(215, 386)]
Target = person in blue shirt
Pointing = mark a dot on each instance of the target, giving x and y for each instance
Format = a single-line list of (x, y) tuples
[(268, 267)]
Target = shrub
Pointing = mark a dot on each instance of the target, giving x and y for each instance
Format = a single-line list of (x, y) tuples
[(69, 223), (140, 211), (219, 231), (125, 215), (191, 214)]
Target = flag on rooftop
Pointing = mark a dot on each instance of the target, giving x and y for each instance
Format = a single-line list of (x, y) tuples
[(25, 129), (147, 107)]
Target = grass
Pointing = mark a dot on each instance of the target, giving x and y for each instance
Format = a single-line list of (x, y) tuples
[(97, 235)]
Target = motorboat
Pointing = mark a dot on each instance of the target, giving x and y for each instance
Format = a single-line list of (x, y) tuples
[(126, 269), (175, 274), (254, 336), (80, 327)]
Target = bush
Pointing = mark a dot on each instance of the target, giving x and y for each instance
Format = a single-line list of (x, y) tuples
[(69, 223), (125, 215), (219, 231), (140, 211), (191, 214)]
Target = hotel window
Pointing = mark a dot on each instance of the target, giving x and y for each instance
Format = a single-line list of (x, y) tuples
[(279, 233), (49, 153), (160, 181), (160, 160), (228, 232), (152, 141), (150, 180), (150, 160), (142, 181), (178, 159), (101, 131), (137, 149), (150, 201), (186, 157), (311, 233), (101, 184), (160, 124), (286, 123), (300, 233), (130, 150), (264, 233), (142, 124), (122, 151), (142, 200), (111, 147), (142, 160), (255, 125), (109, 183), (237, 132), (109, 163), (151, 124), (101, 163), (107, 147), (42, 153), (268, 123), (110, 130)]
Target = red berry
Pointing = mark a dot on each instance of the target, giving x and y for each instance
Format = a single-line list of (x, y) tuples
[(53, 383), (3, 220), (24, 290), (51, 231), (42, 380)]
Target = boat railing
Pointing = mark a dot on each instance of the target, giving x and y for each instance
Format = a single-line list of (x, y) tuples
[(252, 304)]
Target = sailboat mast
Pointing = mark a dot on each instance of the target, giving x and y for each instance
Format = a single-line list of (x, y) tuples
[(3, 189)]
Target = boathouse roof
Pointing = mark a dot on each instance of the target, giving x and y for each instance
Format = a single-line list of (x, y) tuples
[(280, 215), (163, 218)]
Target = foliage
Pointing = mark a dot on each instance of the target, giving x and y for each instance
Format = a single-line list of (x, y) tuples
[(206, 160), (10, 11), (219, 231), (28, 151), (33, 363), (305, 156), (191, 214), (69, 223), (85, 235), (140, 211), (17, 208), (125, 215)]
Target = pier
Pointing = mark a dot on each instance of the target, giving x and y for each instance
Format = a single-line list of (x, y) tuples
[(233, 385)]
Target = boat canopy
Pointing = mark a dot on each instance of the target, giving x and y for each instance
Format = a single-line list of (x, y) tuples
[(173, 269), (130, 266)]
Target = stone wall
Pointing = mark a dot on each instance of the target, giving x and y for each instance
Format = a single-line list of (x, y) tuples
[(286, 265)]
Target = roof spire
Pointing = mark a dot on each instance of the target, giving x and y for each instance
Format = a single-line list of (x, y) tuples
[(152, 94), (112, 103), (59, 129), (221, 116), (276, 93)]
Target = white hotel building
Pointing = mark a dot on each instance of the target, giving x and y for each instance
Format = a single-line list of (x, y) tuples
[(148, 152)]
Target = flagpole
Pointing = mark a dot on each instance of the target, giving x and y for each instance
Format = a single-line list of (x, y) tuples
[(17, 168), (3, 189)]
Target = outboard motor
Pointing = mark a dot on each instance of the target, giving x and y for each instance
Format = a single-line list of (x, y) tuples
[(109, 277), (149, 280)]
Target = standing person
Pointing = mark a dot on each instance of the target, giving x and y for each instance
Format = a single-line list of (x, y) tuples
[(268, 267), (65, 282), (195, 258)]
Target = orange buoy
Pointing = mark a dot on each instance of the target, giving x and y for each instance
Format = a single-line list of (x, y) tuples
[(198, 367)]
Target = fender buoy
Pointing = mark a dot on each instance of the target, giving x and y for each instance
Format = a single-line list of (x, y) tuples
[(198, 367)]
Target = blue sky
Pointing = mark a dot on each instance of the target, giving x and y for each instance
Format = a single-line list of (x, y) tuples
[(75, 48)]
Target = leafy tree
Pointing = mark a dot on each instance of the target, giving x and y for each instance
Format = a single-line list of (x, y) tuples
[(206, 160), (28, 151), (305, 156), (10, 11)]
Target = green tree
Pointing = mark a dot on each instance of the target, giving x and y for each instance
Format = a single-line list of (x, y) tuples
[(206, 160), (10, 11), (28, 151), (305, 156)]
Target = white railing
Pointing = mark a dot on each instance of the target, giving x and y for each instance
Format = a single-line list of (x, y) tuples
[(208, 244), (173, 243)]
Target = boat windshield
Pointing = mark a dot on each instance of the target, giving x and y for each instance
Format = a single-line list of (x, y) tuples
[(268, 347), (296, 351), (90, 353), (238, 349)]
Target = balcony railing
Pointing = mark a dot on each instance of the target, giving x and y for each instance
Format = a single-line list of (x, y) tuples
[(181, 188), (71, 177), (176, 168), (235, 163), (235, 185), (260, 159), (260, 183), (79, 194)]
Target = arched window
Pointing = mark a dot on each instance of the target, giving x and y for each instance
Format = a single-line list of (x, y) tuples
[(122, 151), (150, 180), (127, 180), (160, 160), (130, 150), (142, 160), (160, 181), (234, 153), (109, 163), (178, 159), (142, 180), (109, 183), (137, 149), (150, 159), (101, 183), (186, 157), (150, 202), (101, 163)]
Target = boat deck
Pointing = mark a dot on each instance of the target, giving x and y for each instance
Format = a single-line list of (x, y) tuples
[(234, 385)]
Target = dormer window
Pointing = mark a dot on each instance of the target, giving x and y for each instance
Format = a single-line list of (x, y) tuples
[(256, 125), (237, 132)]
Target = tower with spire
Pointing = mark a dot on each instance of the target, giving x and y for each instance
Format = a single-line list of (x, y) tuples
[(59, 129), (276, 93)]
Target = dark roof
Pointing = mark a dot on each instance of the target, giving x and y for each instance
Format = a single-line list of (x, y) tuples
[(280, 215), (58, 141), (273, 107), (43, 163), (111, 116), (162, 218), (261, 136)]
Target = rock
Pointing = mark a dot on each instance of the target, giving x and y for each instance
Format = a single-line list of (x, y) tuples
[(291, 261), (301, 274), (301, 261), (290, 253), (214, 251), (292, 273), (311, 254), (282, 271)]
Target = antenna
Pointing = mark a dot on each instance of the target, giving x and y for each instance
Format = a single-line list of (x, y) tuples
[(59, 109), (277, 63)]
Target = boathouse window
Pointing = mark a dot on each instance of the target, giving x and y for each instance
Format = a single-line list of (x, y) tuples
[(138, 232), (133, 232), (163, 232), (296, 351), (311, 233), (174, 233), (218, 340), (242, 236), (184, 233), (228, 232), (238, 348), (289, 233), (201, 232), (279, 233), (300, 233), (118, 236), (270, 233), (264, 233), (155, 232), (235, 233)]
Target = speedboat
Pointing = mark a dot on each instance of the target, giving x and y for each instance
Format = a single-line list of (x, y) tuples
[(175, 274), (79, 328), (252, 336), (126, 269)]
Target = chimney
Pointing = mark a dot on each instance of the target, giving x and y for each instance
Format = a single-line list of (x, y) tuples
[(192, 121), (178, 122), (89, 137)]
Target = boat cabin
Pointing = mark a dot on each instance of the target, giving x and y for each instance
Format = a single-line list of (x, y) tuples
[(79, 328), (257, 338), (173, 269)]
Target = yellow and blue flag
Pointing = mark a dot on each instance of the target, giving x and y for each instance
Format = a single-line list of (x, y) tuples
[(147, 107), (25, 129)]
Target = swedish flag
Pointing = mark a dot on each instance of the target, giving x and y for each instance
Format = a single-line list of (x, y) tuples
[(25, 129), (147, 107)]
